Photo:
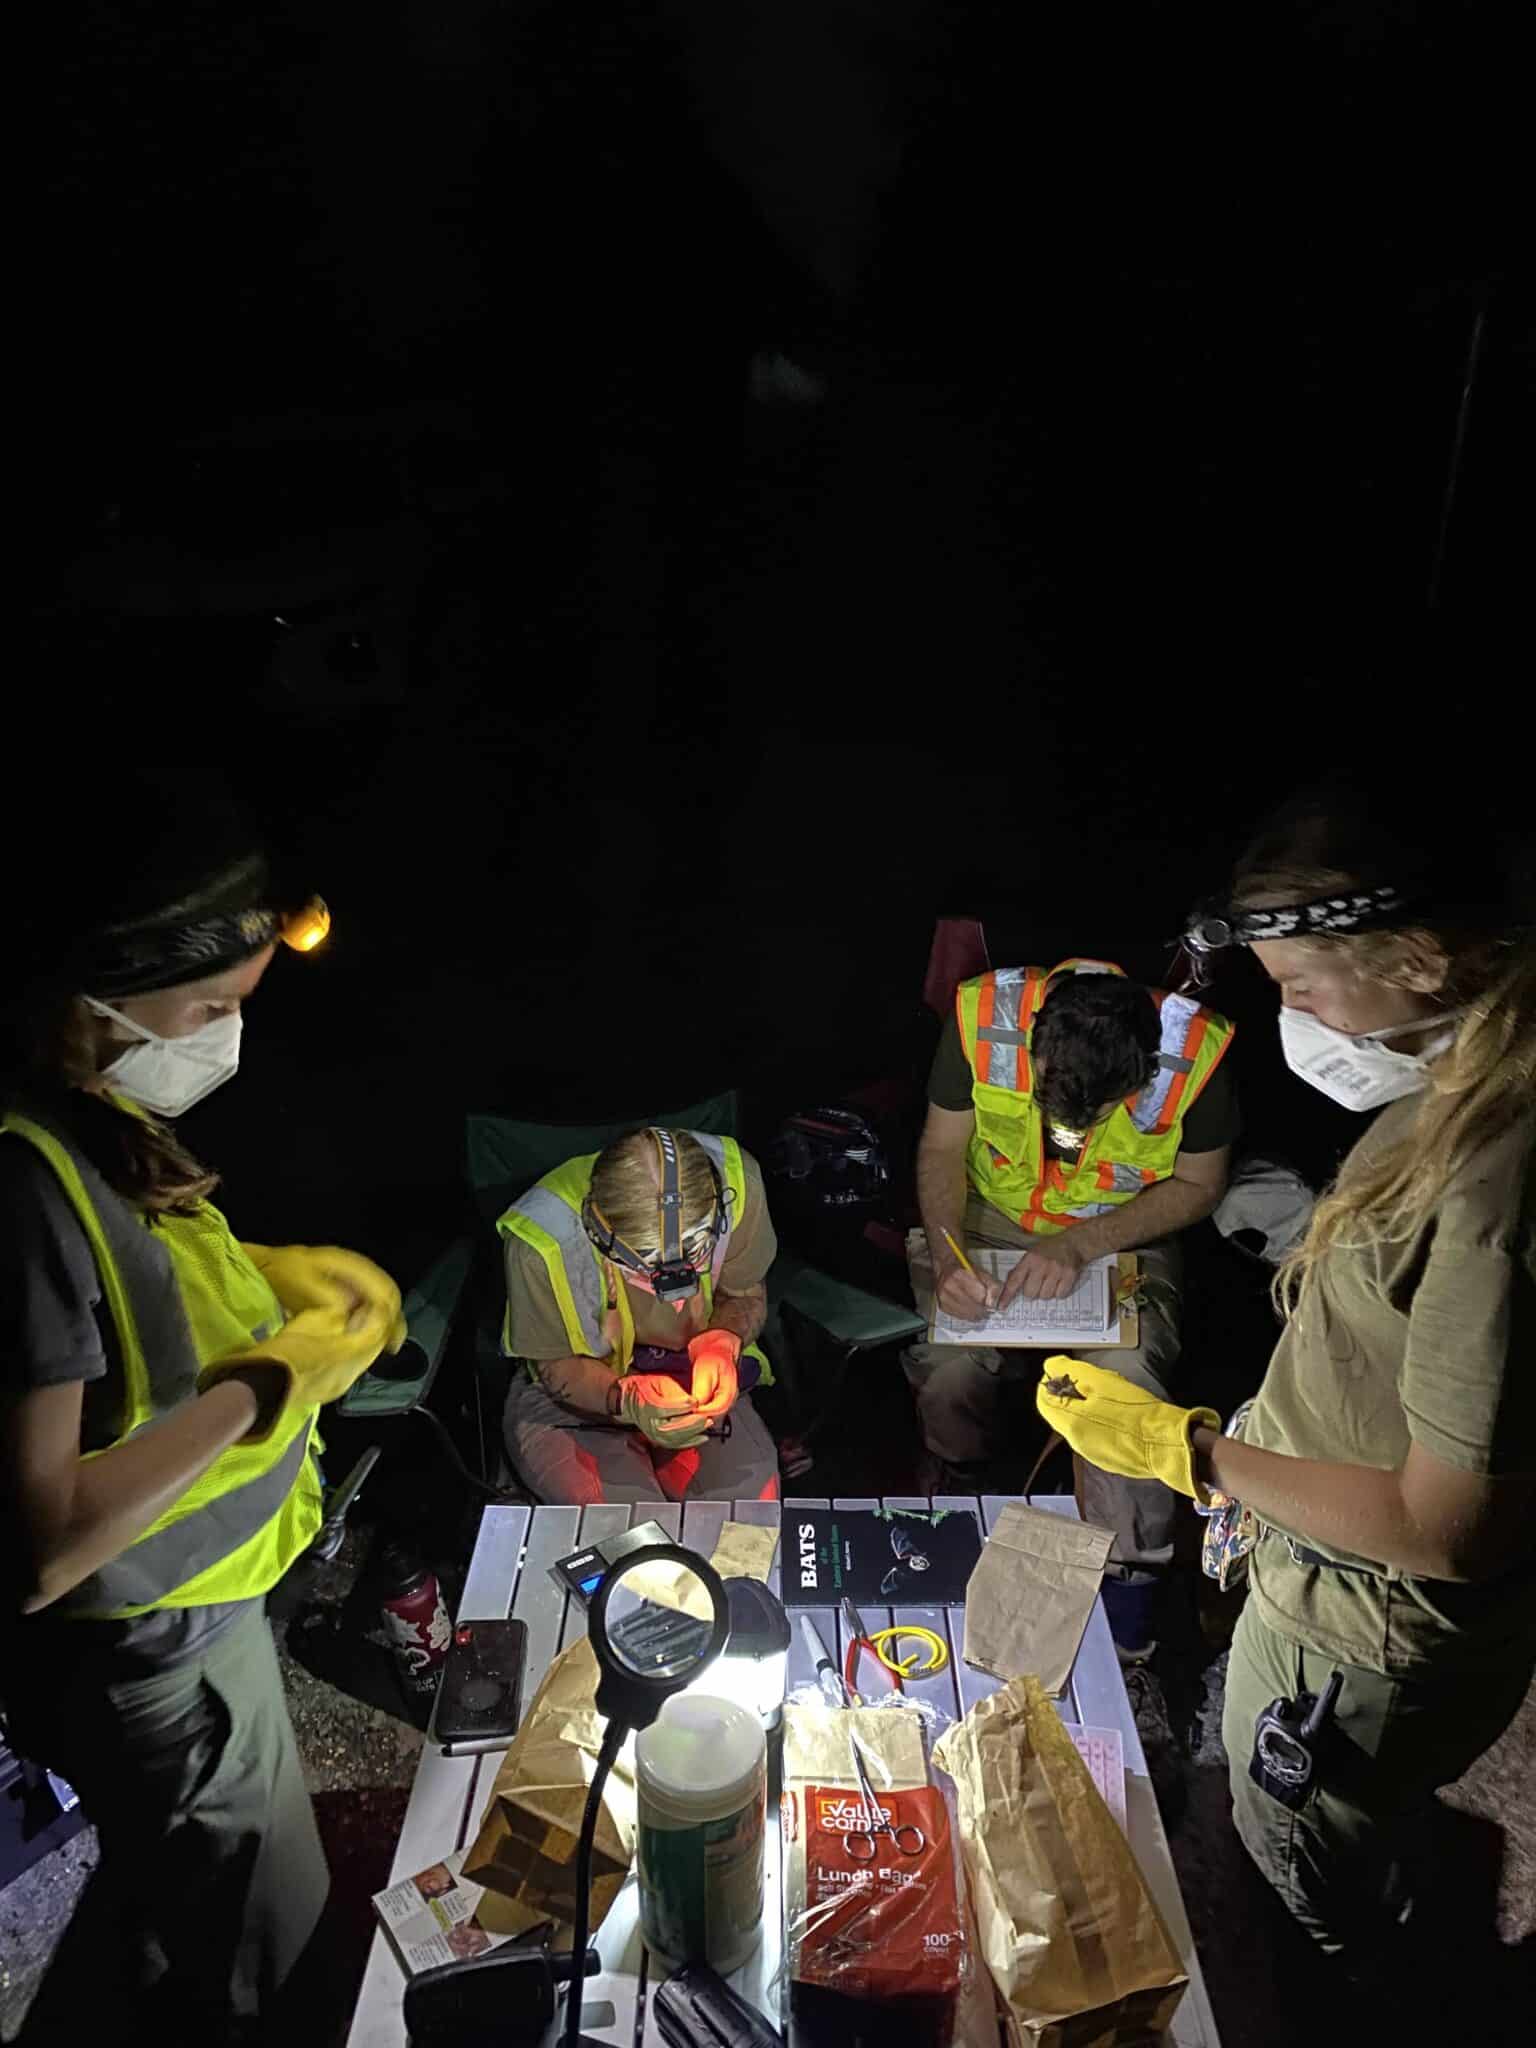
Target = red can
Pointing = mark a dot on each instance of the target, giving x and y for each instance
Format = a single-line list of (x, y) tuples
[(417, 1620)]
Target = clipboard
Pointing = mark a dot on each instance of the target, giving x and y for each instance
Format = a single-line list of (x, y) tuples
[(1126, 1338)]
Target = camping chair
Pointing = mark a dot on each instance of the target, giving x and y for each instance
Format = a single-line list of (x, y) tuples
[(505, 1156)]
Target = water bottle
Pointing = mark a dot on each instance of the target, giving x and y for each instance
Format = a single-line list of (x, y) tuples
[(416, 1619)]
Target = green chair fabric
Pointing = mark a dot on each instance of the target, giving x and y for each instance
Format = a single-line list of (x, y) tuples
[(505, 1156), (429, 1309), (852, 1318)]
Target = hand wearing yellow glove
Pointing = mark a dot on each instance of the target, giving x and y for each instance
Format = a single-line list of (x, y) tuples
[(1114, 1424), (326, 1276), (656, 1405), (716, 1359), (313, 1358)]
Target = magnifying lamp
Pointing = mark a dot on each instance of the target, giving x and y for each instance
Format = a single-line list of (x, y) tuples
[(659, 1617)]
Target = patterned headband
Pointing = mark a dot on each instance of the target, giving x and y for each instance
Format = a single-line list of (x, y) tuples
[(1210, 928)]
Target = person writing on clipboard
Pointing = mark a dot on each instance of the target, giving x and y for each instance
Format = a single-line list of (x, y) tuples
[(1072, 1113), (160, 1384)]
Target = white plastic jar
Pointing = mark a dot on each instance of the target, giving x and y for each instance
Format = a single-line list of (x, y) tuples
[(701, 1780)]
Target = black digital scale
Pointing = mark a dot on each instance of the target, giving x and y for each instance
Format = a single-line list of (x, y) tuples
[(583, 1571)]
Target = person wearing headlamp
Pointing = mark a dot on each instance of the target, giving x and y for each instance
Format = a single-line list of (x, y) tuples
[(1072, 1113), (160, 1384), (634, 1298), (1383, 1482)]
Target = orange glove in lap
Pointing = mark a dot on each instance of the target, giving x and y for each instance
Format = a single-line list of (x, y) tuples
[(715, 1355)]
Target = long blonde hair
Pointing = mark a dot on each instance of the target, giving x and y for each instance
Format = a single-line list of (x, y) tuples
[(1486, 1079)]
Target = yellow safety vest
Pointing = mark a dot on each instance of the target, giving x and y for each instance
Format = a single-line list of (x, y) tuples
[(1131, 1149), (548, 1219), (181, 1292)]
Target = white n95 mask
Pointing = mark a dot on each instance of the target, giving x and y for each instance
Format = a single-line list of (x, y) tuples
[(169, 1075), (1358, 1073)]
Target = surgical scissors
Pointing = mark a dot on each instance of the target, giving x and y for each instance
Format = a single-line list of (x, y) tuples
[(859, 1844)]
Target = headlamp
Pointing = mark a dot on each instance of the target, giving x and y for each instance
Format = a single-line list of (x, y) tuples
[(307, 928), (671, 1276), (1068, 1138), (1212, 927)]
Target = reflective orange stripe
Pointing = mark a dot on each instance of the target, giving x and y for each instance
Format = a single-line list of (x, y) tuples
[(1149, 1179), (1106, 1178), (1192, 1045)]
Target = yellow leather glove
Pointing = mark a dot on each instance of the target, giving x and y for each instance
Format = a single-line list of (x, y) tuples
[(326, 1276), (1120, 1427), (317, 1355), (656, 1405)]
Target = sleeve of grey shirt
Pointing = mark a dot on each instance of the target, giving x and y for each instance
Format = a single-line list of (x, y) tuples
[(50, 1292)]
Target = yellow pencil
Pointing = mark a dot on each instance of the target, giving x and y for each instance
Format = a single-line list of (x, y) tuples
[(960, 1255)]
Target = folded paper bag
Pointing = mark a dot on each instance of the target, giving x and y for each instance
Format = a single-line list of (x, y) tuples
[(525, 1852), (1030, 1596), (1074, 1943)]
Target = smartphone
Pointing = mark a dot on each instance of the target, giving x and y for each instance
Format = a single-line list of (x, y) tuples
[(480, 1695)]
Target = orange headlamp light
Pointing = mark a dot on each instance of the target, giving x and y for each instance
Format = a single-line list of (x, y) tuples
[(307, 928)]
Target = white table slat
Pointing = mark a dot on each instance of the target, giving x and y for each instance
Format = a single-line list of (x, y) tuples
[(537, 1601), (702, 1522), (669, 1513), (493, 1566)]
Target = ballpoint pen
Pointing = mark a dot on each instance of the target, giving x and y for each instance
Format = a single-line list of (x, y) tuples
[(827, 1676)]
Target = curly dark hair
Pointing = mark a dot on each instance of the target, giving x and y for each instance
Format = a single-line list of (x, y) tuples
[(1095, 1041)]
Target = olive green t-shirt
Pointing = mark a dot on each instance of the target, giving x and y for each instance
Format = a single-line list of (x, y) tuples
[(537, 1331), (1428, 1340)]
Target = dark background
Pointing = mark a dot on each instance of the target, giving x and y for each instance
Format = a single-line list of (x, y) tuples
[(636, 726)]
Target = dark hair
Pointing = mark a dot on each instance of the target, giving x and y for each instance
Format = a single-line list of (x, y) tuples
[(186, 830), (1095, 1041)]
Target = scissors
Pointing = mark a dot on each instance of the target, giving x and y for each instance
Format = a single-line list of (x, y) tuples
[(859, 1643), (860, 1846)]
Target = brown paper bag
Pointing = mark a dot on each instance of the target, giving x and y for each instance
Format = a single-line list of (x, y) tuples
[(525, 1852), (1030, 1596), (1076, 1947)]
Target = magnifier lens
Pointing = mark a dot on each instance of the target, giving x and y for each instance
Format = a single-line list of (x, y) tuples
[(659, 1619)]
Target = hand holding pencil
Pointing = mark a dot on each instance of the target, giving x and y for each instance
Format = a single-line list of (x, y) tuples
[(960, 1290)]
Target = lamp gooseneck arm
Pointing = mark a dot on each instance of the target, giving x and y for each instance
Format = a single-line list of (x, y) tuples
[(613, 1742)]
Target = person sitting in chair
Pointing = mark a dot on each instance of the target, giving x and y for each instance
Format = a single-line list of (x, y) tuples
[(1071, 1114), (634, 1296)]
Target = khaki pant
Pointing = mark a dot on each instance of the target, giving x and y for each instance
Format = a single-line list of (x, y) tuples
[(211, 1877), (571, 1464), (1337, 1861), (959, 1393)]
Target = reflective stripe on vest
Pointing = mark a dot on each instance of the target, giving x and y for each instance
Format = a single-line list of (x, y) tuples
[(548, 1219), (180, 1294), (1134, 1147)]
